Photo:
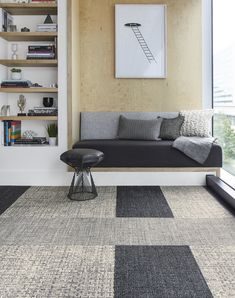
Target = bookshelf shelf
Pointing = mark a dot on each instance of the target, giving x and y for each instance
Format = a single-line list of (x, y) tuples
[(28, 36), (30, 9), (28, 118), (28, 90), (29, 63)]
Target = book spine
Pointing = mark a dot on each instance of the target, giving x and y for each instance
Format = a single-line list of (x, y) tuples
[(2, 133), (5, 133), (9, 133)]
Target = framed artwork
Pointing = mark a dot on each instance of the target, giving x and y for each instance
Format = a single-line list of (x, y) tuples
[(140, 40)]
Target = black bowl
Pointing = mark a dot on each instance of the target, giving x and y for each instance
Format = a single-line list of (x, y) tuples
[(48, 102)]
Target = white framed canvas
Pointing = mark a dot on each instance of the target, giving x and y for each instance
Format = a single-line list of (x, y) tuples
[(140, 40)]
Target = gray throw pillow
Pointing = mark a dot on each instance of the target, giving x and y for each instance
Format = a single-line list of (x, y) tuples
[(135, 129), (170, 128)]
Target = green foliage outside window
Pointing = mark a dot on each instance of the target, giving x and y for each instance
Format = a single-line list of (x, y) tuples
[(226, 137)]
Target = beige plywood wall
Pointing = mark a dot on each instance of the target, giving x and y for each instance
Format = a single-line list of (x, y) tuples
[(100, 91)]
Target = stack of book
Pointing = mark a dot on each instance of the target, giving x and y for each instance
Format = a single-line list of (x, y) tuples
[(33, 141), (43, 112), (16, 84), (11, 132), (51, 27), (41, 52), (43, 1)]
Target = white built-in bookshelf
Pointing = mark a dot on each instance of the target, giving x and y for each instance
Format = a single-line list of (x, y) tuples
[(43, 72)]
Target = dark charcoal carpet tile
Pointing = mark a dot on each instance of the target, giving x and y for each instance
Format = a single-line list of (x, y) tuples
[(157, 272), (9, 194), (142, 201)]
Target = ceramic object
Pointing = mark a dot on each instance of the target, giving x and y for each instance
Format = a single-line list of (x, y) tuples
[(52, 141), (16, 75)]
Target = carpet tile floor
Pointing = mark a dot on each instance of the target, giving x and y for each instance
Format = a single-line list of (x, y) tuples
[(130, 242)]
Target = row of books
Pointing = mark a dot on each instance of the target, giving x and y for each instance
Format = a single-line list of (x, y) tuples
[(43, 111), (6, 20), (11, 135), (45, 51), (16, 84), (11, 132)]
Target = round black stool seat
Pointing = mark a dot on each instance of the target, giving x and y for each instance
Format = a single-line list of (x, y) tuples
[(82, 158), (82, 187)]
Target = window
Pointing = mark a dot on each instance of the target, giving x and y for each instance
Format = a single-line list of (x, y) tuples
[(224, 79)]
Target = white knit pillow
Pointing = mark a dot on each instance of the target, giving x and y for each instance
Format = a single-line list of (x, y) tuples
[(196, 123)]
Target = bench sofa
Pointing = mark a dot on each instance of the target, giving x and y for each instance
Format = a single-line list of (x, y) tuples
[(98, 130)]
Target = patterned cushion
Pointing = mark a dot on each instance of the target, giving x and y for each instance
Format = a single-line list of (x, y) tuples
[(135, 129), (196, 123), (170, 129)]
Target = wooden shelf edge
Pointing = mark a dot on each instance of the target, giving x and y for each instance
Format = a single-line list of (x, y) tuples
[(29, 118), (30, 8), (28, 90), (29, 36), (29, 63)]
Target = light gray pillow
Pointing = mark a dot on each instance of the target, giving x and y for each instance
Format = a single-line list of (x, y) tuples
[(197, 123), (135, 129), (170, 128)]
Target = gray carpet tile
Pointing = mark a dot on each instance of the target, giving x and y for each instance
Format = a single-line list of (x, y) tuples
[(46, 202), (142, 201), (119, 231), (217, 264), (9, 194), (56, 271), (194, 202), (158, 271)]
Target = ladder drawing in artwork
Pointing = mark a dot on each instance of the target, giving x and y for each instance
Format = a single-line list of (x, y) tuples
[(135, 28)]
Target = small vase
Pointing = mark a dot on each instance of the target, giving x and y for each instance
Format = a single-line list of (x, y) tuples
[(16, 75), (52, 141)]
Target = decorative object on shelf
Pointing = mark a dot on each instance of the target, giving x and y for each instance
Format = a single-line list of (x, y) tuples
[(141, 45), (48, 20), (52, 130), (5, 110), (48, 102), (55, 85), (16, 74), (36, 85), (12, 28), (21, 103), (23, 1), (29, 134), (25, 29), (14, 48)]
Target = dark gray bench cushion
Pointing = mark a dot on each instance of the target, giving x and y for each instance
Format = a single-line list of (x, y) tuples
[(130, 153)]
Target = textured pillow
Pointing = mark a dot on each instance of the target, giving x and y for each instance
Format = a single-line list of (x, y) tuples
[(170, 128), (134, 129), (196, 123)]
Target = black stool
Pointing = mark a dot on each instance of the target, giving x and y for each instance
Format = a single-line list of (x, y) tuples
[(82, 187)]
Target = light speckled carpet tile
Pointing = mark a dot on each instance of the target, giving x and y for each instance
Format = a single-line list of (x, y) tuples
[(193, 202), (53, 247), (46, 202), (56, 271), (217, 264)]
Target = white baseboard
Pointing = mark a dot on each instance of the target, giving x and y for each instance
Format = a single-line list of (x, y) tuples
[(58, 178)]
